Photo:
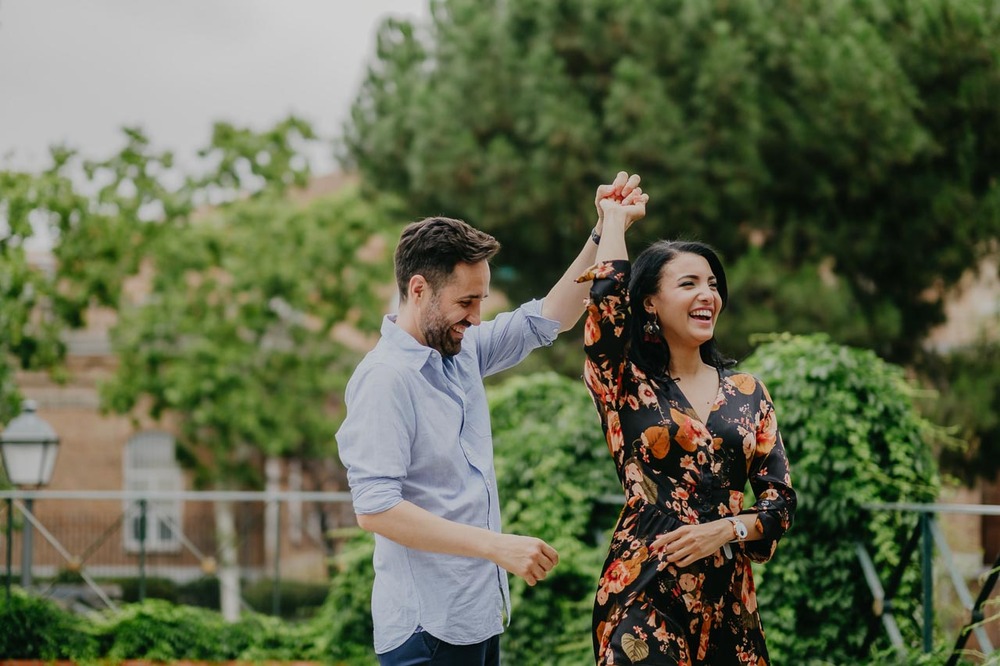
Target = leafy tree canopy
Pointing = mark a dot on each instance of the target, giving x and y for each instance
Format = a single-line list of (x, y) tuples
[(236, 337), (242, 287), (862, 131)]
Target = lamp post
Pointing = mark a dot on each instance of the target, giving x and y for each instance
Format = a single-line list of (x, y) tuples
[(28, 446)]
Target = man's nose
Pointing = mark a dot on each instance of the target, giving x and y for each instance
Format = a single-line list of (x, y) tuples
[(474, 315)]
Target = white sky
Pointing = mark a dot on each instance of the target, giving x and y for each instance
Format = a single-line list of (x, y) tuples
[(75, 71)]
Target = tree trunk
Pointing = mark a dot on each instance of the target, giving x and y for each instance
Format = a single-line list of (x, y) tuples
[(229, 570)]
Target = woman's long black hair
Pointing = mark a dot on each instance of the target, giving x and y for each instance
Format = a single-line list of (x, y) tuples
[(653, 356)]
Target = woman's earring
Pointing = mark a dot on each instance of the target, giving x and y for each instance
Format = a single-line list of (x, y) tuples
[(652, 328)]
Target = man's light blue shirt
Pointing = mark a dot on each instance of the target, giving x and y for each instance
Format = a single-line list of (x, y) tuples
[(418, 429)]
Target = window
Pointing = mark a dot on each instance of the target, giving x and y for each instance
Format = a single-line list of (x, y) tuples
[(150, 465)]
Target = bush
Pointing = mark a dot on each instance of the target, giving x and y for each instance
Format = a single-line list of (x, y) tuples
[(343, 626), (853, 437), (298, 600), (160, 631), (553, 469), (36, 628), (156, 588)]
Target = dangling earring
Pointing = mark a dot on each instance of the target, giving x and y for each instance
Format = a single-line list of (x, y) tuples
[(652, 328)]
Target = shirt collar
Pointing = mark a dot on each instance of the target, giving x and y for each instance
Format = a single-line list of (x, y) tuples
[(404, 346)]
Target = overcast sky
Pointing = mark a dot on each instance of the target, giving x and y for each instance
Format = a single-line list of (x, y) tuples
[(75, 71)]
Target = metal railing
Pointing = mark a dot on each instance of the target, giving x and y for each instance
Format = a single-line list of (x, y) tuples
[(78, 530), (927, 535)]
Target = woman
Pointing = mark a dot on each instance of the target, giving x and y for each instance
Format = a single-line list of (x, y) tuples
[(686, 433)]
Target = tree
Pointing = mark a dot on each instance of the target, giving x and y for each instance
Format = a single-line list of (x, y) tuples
[(29, 324), (235, 341), (102, 217), (858, 131), (769, 296)]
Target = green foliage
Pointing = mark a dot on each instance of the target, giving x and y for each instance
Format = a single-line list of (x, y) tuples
[(343, 627), (853, 437), (554, 476), (233, 336), (967, 398), (772, 296), (158, 630), (858, 131), (298, 600), (35, 628), (28, 332), (236, 340), (265, 163)]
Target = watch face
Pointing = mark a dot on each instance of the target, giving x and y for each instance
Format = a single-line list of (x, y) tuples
[(741, 529)]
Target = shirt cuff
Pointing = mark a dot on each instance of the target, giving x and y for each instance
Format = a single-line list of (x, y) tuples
[(546, 329), (375, 497)]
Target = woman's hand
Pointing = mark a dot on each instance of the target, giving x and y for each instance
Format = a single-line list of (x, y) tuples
[(690, 543), (631, 209), (626, 191)]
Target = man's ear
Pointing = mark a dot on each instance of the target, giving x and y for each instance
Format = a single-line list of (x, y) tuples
[(417, 288)]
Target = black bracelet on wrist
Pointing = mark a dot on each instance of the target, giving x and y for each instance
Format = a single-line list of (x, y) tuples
[(596, 237)]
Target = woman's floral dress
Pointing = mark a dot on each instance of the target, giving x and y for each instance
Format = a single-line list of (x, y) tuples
[(677, 470)]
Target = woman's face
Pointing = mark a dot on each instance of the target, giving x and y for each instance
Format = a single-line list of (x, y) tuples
[(687, 302)]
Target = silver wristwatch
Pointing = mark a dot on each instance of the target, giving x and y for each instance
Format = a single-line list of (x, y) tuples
[(739, 529)]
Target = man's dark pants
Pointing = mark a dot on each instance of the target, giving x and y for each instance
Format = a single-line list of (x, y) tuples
[(422, 649)]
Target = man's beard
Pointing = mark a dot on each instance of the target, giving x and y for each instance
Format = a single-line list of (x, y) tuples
[(438, 334)]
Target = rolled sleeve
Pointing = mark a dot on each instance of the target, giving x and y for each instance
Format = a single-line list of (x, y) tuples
[(375, 439), (505, 341), (544, 330)]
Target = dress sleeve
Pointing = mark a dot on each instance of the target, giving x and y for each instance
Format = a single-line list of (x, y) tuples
[(771, 482), (605, 333)]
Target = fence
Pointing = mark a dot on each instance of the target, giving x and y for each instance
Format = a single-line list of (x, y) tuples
[(83, 547), (927, 534)]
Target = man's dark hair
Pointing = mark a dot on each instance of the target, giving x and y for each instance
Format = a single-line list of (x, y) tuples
[(433, 247), (653, 357)]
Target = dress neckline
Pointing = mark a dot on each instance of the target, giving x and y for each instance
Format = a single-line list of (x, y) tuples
[(713, 406)]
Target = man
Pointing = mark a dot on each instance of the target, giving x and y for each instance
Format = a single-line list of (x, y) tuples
[(418, 449)]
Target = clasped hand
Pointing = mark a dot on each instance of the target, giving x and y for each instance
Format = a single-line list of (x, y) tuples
[(622, 196)]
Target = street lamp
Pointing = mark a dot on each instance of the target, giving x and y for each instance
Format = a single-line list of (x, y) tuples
[(28, 446)]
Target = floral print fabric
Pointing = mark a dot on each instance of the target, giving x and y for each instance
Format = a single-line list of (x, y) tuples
[(675, 470)]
